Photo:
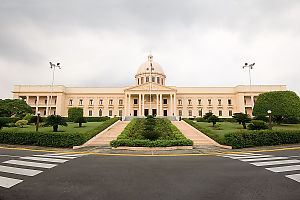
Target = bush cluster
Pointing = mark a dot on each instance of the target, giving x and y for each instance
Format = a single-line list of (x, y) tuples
[(257, 125), (244, 139), (206, 131), (159, 132), (52, 139)]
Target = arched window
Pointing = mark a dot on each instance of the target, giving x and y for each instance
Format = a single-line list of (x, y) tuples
[(138, 81), (158, 80), (100, 112), (162, 81), (147, 79)]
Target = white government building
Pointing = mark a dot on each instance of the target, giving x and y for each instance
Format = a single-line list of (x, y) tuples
[(135, 100)]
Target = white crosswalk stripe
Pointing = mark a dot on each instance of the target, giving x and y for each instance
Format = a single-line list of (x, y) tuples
[(275, 162), (44, 159), (295, 177), (263, 159), (8, 182), (64, 154), (248, 157), (20, 171), (240, 154), (285, 168), (30, 164), (49, 156)]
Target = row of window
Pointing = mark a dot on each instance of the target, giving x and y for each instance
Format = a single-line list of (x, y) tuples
[(158, 80), (200, 113), (46, 101), (209, 102), (91, 102), (110, 113)]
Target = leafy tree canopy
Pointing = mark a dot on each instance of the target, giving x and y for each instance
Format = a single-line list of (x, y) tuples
[(207, 115), (14, 107), (283, 104), (213, 119), (55, 121), (242, 118), (74, 113)]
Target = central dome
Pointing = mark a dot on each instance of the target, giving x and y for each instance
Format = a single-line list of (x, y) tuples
[(143, 74), (145, 67)]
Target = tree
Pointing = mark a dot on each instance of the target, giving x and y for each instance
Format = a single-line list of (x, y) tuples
[(207, 115), (283, 104), (55, 121), (14, 107), (242, 118), (214, 119), (80, 120), (74, 113)]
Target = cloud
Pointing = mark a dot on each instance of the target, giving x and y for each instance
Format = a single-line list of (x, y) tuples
[(102, 43)]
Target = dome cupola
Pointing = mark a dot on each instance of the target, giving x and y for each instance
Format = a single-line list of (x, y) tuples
[(143, 74)]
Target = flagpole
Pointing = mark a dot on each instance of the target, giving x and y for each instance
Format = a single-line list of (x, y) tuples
[(150, 82)]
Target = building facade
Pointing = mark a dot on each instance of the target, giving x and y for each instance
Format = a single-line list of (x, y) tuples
[(150, 96)]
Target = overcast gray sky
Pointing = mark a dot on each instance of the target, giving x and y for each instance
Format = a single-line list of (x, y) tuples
[(102, 43)]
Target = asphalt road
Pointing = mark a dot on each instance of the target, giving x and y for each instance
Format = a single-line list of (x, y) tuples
[(133, 177)]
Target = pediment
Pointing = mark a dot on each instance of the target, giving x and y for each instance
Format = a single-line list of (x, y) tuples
[(146, 87)]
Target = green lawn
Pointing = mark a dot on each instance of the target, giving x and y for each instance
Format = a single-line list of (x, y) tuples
[(226, 127), (72, 127)]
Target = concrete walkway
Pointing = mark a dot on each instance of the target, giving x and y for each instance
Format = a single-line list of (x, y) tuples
[(196, 136), (109, 134)]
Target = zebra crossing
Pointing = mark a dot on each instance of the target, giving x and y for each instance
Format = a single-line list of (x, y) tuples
[(276, 164), (38, 162)]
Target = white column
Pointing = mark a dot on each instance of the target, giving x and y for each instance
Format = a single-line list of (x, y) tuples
[(140, 105), (157, 104), (126, 105), (129, 105), (143, 105), (171, 104), (174, 104), (161, 111)]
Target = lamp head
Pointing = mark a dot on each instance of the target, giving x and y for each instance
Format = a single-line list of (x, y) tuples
[(38, 113), (269, 111)]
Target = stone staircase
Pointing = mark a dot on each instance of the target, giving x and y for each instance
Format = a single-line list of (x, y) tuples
[(196, 136), (109, 134)]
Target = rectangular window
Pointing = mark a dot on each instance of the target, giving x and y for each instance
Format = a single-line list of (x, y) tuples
[(153, 79), (135, 101), (179, 102), (229, 101), (142, 80), (165, 101), (70, 102), (90, 113), (190, 113), (110, 113), (80, 102), (138, 81), (180, 112), (110, 102), (220, 112), (45, 112), (190, 102), (120, 113), (100, 112), (162, 81), (230, 113), (35, 102), (219, 101), (100, 102), (54, 112), (158, 80), (199, 101), (55, 102), (200, 113), (120, 102), (147, 79), (209, 101), (91, 101), (46, 102)]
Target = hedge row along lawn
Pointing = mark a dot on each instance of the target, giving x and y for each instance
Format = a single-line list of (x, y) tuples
[(244, 139), (158, 132), (71, 137)]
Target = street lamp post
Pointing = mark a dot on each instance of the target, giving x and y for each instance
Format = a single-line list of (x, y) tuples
[(150, 59), (53, 66), (37, 121), (250, 66), (270, 119)]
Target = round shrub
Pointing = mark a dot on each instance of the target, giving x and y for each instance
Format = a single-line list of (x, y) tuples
[(257, 125), (21, 123)]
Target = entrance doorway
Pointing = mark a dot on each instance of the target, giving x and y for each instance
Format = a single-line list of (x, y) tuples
[(165, 112), (154, 112), (135, 113), (146, 112)]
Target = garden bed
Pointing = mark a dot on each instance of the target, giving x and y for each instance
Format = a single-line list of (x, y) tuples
[(158, 132)]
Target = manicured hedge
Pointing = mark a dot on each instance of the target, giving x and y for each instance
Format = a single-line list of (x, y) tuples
[(52, 139), (244, 139), (133, 136), (8, 120), (91, 119), (206, 131)]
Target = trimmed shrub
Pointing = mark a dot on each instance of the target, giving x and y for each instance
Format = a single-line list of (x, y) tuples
[(148, 143), (33, 119), (74, 112), (213, 119), (28, 117), (97, 119), (200, 119), (21, 123), (80, 120), (257, 125), (291, 120), (55, 121), (242, 118), (2, 123), (244, 139), (8, 120)]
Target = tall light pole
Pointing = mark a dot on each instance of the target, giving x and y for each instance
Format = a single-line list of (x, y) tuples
[(150, 59), (250, 66), (53, 66)]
